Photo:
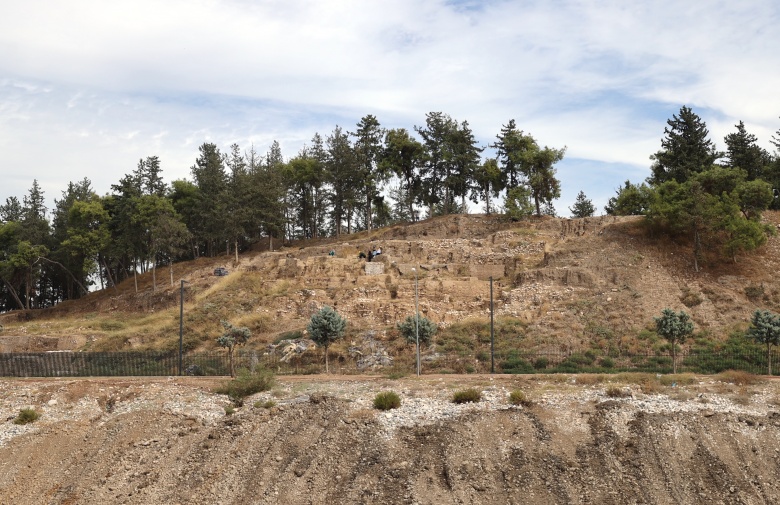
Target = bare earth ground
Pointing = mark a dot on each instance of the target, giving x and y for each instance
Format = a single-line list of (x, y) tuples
[(169, 440)]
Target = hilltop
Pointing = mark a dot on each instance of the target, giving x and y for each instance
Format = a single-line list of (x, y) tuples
[(559, 284)]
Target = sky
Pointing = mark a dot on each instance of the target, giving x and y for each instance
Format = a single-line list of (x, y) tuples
[(89, 87)]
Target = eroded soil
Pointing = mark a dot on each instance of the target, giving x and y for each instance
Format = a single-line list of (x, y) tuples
[(580, 441)]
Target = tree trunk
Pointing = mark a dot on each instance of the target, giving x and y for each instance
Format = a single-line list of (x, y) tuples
[(14, 294), (232, 369), (769, 359), (674, 358), (108, 274), (326, 360), (368, 212), (236, 244)]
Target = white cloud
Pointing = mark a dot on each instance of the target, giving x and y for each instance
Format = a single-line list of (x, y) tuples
[(89, 87)]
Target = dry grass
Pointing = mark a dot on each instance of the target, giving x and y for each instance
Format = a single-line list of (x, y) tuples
[(680, 379), (590, 379), (364, 415), (617, 392), (743, 396), (739, 378)]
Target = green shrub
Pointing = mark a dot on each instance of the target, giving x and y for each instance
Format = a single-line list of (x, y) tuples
[(541, 363), (229, 410), (470, 395), (607, 363), (387, 400), (518, 397), (246, 384), (27, 416), (754, 292), (514, 363)]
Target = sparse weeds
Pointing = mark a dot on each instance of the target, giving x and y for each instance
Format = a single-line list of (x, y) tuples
[(396, 374), (680, 379), (648, 383), (268, 404), (470, 395), (27, 416), (518, 397), (387, 400), (229, 410), (743, 397), (590, 378)]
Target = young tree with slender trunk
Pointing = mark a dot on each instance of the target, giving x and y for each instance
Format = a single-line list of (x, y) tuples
[(326, 326), (765, 329), (233, 337), (674, 328)]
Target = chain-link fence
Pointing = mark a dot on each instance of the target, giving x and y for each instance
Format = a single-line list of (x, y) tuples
[(85, 364)]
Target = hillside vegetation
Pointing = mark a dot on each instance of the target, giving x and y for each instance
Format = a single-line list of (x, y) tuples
[(560, 285)]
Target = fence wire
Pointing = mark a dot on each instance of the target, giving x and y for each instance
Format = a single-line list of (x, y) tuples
[(92, 364)]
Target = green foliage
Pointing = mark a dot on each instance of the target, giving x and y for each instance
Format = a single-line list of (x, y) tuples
[(326, 326), (631, 200), (408, 328), (754, 292), (743, 152), (765, 329), (518, 203), (470, 395), (246, 384), (229, 410), (582, 206), (685, 149), (518, 397), (675, 328), (387, 400), (516, 364), (26, 416), (233, 336)]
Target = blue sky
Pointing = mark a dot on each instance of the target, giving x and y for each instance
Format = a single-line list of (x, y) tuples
[(89, 87)]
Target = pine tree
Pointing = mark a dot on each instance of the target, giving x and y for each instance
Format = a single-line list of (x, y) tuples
[(582, 206), (403, 156), (743, 152), (368, 149), (685, 149)]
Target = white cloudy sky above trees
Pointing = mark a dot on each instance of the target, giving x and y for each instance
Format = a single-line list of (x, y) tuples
[(88, 87)]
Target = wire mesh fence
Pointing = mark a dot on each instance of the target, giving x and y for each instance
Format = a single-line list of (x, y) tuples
[(86, 364)]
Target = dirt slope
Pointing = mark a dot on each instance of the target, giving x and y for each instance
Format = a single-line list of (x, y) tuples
[(169, 441), (574, 283)]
